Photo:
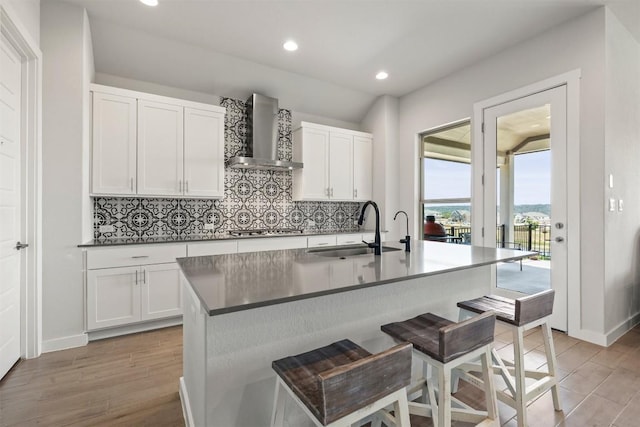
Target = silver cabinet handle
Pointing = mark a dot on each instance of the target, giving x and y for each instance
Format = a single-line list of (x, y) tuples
[(327, 191), (186, 186), (331, 191), (322, 244), (20, 246), (144, 276), (140, 256), (136, 277), (180, 186), (355, 193), (131, 180)]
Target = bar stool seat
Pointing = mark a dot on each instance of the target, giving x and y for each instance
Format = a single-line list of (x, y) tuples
[(443, 345), (521, 315), (342, 383)]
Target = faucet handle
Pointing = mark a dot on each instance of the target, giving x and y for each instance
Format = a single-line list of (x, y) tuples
[(370, 244)]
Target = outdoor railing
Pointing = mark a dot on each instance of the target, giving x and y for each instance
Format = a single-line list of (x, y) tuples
[(530, 237)]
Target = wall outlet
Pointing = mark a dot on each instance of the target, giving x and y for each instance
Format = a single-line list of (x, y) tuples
[(209, 226), (311, 223), (107, 229)]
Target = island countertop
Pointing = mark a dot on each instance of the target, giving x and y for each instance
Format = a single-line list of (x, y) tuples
[(236, 282)]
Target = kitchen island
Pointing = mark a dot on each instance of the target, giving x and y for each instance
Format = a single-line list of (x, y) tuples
[(242, 311)]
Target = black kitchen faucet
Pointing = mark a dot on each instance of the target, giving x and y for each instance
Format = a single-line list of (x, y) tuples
[(376, 244)]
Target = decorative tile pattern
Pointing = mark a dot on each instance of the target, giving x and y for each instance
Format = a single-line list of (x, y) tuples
[(252, 198)]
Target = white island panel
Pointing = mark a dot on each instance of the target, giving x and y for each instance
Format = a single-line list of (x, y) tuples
[(237, 384)]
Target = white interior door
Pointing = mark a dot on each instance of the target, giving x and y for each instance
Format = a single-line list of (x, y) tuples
[(10, 214), (525, 172)]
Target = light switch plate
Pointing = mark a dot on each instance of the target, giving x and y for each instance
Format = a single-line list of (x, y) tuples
[(107, 228), (610, 180), (209, 226), (612, 205), (620, 205)]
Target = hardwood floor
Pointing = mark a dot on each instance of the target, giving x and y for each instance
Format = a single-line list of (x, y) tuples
[(133, 381)]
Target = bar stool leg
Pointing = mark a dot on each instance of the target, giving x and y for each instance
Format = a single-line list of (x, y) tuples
[(489, 386), (277, 418), (444, 397), (521, 391), (551, 362), (401, 411)]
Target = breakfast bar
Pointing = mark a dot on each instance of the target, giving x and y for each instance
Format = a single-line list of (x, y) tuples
[(244, 310)]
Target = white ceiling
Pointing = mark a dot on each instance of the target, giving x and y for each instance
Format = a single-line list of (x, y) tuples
[(234, 47)]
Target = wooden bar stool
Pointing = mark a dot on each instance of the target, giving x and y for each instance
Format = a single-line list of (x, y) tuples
[(443, 345), (342, 383), (521, 314)]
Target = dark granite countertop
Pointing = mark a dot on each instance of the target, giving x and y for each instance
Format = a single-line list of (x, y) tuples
[(236, 282), (203, 238)]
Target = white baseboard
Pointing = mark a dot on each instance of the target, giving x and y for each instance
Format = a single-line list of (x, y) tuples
[(64, 343), (606, 339), (134, 328), (186, 406), (622, 328)]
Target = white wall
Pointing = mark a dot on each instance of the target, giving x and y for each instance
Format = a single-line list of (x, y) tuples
[(577, 44), (622, 155), (88, 77), (28, 12), (63, 46), (382, 121)]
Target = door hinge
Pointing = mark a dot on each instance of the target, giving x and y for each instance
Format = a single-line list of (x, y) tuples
[(482, 127), (482, 179), (482, 230)]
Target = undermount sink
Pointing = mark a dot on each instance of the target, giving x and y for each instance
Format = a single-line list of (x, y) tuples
[(345, 251)]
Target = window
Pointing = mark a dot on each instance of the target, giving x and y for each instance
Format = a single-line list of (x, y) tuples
[(446, 179)]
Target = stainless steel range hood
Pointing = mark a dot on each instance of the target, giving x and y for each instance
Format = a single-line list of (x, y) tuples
[(262, 137)]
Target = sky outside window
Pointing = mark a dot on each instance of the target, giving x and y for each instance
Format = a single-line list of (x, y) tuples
[(446, 179)]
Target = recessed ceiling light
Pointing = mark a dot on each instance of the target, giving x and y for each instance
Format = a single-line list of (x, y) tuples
[(382, 75), (150, 2), (290, 45)]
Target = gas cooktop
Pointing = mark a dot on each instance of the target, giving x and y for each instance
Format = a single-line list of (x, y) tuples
[(265, 232)]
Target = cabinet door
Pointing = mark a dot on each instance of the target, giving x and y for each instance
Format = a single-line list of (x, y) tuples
[(203, 153), (161, 292), (113, 148), (160, 149), (362, 168), (312, 181), (113, 297), (341, 166)]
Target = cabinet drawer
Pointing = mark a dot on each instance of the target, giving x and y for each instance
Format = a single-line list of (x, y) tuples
[(124, 256), (271, 244), (212, 248), (319, 241), (349, 239)]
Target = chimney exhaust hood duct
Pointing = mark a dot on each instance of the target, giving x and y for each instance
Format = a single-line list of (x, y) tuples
[(262, 137)]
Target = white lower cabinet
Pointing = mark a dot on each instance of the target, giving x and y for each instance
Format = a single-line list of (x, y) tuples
[(113, 297), (123, 295), (161, 293)]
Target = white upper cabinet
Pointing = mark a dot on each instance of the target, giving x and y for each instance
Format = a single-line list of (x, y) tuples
[(362, 168), (160, 149), (203, 150), (337, 163), (114, 144), (151, 145), (311, 147), (340, 166)]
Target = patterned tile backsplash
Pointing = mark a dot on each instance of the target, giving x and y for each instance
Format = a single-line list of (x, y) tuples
[(252, 199)]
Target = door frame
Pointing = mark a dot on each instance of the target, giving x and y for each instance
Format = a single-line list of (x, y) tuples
[(572, 81), (30, 180)]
